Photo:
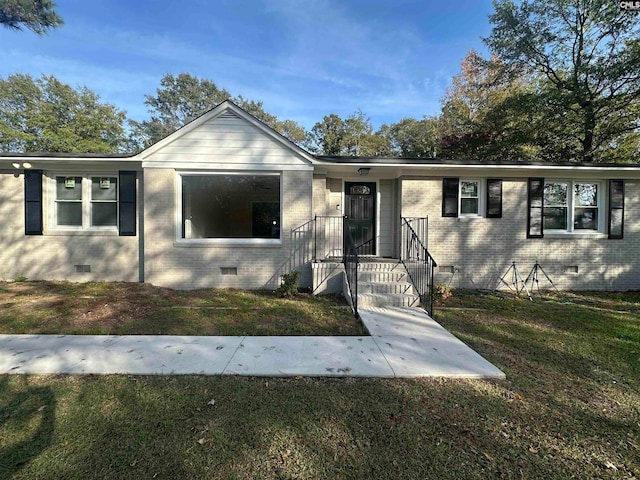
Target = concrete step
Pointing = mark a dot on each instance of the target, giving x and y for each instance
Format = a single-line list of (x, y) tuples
[(398, 275), (387, 300), (380, 266), (387, 287)]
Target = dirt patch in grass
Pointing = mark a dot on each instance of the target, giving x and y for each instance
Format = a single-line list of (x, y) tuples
[(136, 308)]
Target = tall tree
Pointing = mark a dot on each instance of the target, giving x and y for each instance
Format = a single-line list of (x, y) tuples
[(184, 97), (413, 138), (485, 112), (36, 15), (46, 115), (352, 136), (587, 54)]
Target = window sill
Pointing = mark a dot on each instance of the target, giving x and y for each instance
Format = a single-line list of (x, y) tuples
[(226, 243), (81, 233), (594, 235), (469, 218)]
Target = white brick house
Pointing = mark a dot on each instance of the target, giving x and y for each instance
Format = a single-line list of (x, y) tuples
[(227, 202)]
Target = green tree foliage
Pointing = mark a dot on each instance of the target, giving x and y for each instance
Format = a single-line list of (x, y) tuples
[(46, 115), (183, 97), (586, 54), (36, 15), (352, 136), (413, 138), (486, 113)]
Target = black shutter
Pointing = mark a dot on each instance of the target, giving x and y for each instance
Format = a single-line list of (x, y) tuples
[(535, 208), (450, 197), (616, 209), (127, 203), (494, 198), (33, 202)]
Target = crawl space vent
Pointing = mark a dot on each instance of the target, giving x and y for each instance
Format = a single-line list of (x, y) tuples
[(83, 268), (229, 270)]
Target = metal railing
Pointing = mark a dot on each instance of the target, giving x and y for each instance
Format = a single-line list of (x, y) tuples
[(327, 237), (419, 263), (420, 225), (351, 261)]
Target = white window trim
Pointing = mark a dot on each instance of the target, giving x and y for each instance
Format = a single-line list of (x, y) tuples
[(571, 209), (52, 216), (224, 241), (481, 198)]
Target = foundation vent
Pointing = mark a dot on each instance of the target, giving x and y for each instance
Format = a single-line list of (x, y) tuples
[(83, 268), (229, 270), (446, 269), (570, 269)]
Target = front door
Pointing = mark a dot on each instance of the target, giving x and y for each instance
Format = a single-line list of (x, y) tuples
[(360, 199)]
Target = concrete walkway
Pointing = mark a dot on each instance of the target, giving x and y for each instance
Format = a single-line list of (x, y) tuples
[(403, 343)]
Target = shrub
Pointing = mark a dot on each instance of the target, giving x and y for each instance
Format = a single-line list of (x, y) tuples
[(289, 286), (441, 292)]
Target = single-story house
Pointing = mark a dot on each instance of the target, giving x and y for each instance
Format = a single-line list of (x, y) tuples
[(225, 201)]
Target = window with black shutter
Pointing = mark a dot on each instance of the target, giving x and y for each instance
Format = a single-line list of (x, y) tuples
[(494, 198), (535, 208), (616, 209), (450, 197), (33, 202), (127, 203)]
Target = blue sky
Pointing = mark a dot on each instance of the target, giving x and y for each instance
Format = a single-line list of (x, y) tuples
[(302, 58)]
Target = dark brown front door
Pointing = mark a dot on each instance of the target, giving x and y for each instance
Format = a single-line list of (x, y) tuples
[(360, 199)]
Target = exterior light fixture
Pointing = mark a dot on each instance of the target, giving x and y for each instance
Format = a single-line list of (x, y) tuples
[(363, 172)]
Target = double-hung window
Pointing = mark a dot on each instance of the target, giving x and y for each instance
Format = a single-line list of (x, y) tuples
[(469, 197), (86, 202), (572, 206)]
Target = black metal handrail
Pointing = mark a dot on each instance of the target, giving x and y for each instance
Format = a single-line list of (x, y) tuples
[(419, 263), (420, 225), (351, 262), (327, 237)]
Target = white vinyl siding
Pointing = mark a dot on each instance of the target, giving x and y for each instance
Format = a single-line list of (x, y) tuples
[(385, 248), (226, 139)]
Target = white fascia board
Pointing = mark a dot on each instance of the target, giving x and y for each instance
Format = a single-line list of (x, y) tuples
[(44, 163), (226, 166), (628, 171)]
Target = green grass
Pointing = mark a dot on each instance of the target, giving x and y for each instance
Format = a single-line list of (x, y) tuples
[(570, 408), (134, 309)]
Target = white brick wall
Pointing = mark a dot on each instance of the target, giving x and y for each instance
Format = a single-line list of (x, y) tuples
[(54, 256), (482, 249), (184, 266)]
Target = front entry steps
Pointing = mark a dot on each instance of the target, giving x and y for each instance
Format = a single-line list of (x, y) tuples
[(385, 284)]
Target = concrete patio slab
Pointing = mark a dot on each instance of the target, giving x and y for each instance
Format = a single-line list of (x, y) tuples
[(102, 354), (415, 345), (309, 356)]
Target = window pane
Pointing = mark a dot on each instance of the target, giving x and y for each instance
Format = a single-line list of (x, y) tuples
[(585, 194), (69, 214), (231, 206), (555, 218), (68, 188), (469, 205), (104, 188), (468, 189), (555, 194), (585, 219), (104, 214)]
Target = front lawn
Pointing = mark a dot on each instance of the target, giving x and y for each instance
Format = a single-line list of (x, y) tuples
[(105, 308), (569, 408)]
